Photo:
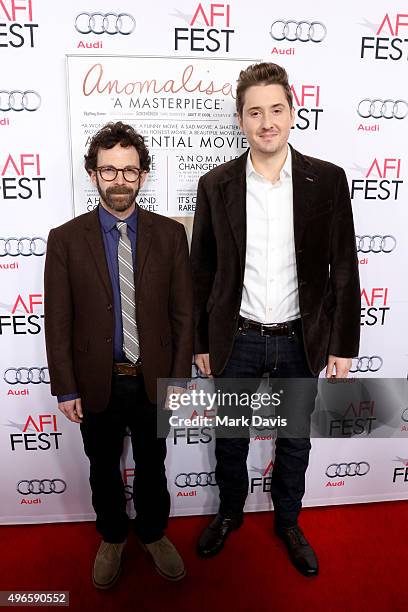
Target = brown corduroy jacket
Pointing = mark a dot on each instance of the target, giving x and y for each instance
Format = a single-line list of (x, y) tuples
[(79, 314)]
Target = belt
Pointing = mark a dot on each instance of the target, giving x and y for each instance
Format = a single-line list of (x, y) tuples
[(127, 369), (270, 329)]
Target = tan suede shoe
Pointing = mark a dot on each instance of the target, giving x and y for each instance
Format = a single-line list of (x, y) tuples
[(166, 559), (107, 565)]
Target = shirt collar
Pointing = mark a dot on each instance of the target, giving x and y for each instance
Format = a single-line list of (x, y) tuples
[(286, 172), (108, 221)]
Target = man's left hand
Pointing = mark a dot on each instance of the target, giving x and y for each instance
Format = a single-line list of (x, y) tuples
[(338, 367)]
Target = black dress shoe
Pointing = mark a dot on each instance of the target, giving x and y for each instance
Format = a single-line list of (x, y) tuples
[(300, 552), (213, 537)]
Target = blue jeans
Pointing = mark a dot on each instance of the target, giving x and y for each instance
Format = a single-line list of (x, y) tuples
[(282, 357)]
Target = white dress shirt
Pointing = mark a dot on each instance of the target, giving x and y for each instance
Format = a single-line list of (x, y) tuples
[(270, 293)]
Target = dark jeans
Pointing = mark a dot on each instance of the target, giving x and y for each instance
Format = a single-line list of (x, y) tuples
[(282, 357), (103, 434)]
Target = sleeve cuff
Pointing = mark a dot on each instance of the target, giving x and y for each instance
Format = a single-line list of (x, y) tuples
[(68, 397)]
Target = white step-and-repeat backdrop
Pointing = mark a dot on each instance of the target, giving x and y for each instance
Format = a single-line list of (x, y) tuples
[(66, 69)]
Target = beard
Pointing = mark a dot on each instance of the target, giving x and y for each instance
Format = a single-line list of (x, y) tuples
[(119, 197)]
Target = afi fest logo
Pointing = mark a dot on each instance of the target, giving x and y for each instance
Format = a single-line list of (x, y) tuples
[(128, 475), (38, 433), (208, 29), (400, 474), (381, 181), (357, 420), (374, 307), (21, 176), (194, 435), (17, 27), (306, 101), (263, 481), (390, 38), (26, 315)]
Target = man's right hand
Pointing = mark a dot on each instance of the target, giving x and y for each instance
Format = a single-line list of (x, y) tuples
[(72, 409), (202, 361)]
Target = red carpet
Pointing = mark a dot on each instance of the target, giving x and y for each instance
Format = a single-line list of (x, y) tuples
[(363, 553)]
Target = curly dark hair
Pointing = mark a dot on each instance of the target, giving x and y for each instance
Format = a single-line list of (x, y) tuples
[(265, 73), (110, 135)]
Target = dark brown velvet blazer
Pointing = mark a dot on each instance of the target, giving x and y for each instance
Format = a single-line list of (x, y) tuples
[(327, 266), (79, 316)]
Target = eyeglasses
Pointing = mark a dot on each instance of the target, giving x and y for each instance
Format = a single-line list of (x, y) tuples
[(109, 173)]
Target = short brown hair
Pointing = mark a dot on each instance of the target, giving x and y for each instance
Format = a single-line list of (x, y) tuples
[(265, 73), (110, 135)]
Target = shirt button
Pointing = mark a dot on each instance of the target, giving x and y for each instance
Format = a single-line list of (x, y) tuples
[(108, 340), (109, 307)]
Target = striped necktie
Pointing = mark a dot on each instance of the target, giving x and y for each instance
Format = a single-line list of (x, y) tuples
[(127, 295)]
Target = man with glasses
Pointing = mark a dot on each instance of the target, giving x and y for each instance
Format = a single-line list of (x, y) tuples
[(118, 315)]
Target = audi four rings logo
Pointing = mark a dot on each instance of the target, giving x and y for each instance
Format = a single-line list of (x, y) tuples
[(25, 376), (303, 31), (375, 243), (382, 109), (404, 415), (105, 23), (367, 364), (340, 470), (18, 101), (22, 246), (195, 479), (44, 487)]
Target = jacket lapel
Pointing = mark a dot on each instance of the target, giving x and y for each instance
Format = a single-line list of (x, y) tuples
[(233, 189), (143, 242), (304, 182), (95, 241)]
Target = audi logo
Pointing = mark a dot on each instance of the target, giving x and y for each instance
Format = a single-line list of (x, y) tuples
[(375, 243), (341, 470), (41, 487), (18, 101), (303, 31), (195, 479), (382, 109), (25, 376), (404, 415), (105, 23), (366, 364), (14, 247)]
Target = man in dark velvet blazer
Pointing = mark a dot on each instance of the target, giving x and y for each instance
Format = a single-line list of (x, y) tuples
[(276, 289), (118, 315)]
